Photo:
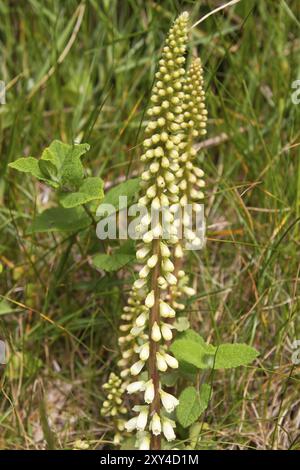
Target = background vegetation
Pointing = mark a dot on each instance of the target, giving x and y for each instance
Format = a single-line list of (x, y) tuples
[(83, 71)]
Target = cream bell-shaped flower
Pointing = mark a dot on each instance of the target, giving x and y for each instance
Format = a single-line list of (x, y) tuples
[(137, 367), (165, 252), (148, 237), (169, 401), (178, 252), (144, 352), (166, 332), (137, 330), (168, 429), (149, 392), (135, 386), (139, 283), (150, 299), (157, 231), (167, 265), (161, 362), (144, 272), (171, 279), (155, 333), (171, 361), (162, 282), (165, 310), (156, 203), (152, 261), (124, 373), (142, 252), (142, 418), (155, 425), (131, 424), (146, 220), (141, 319), (189, 291)]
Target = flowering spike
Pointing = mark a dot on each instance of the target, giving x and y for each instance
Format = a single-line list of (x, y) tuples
[(170, 179)]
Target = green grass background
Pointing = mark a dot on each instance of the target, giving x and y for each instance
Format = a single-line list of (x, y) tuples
[(84, 71)]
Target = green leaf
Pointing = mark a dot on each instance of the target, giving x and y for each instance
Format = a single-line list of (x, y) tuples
[(129, 188), (59, 219), (49, 170), (91, 189), (31, 165), (191, 348), (112, 262), (27, 165), (192, 404), (72, 169), (234, 355), (193, 336), (62, 162), (55, 154), (59, 165)]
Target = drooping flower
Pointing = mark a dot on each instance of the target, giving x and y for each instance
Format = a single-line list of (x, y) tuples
[(169, 401), (142, 418), (155, 332), (131, 424), (155, 425), (135, 386), (171, 361), (166, 331), (150, 299), (149, 392), (136, 368), (168, 429)]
